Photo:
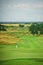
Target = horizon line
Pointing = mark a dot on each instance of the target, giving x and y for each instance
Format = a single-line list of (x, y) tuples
[(9, 22)]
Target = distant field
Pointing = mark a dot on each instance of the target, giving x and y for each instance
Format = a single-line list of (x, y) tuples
[(21, 48)]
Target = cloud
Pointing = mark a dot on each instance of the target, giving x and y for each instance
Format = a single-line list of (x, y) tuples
[(28, 5), (25, 5), (21, 10)]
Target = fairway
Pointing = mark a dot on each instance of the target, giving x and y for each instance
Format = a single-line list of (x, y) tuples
[(21, 48)]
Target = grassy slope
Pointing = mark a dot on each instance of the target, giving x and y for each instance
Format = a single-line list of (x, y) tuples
[(29, 46)]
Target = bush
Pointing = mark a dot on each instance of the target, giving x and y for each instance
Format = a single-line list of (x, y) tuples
[(20, 25), (2, 28)]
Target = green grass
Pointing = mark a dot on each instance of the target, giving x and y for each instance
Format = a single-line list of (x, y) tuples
[(9, 52), (24, 61), (28, 52)]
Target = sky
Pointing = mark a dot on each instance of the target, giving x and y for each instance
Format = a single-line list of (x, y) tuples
[(21, 10)]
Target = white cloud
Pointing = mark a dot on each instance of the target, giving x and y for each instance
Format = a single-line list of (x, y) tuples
[(23, 5), (28, 5), (21, 10)]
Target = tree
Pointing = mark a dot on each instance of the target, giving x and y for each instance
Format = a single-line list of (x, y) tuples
[(2, 28), (32, 29), (41, 28), (36, 28), (21, 25)]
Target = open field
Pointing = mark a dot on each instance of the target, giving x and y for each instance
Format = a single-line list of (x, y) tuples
[(20, 48)]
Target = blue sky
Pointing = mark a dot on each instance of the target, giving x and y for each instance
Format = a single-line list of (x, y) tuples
[(21, 10)]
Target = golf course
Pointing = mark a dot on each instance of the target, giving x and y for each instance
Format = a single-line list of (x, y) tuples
[(19, 47)]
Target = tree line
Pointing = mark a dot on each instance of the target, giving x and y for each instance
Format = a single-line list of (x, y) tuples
[(36, 28)]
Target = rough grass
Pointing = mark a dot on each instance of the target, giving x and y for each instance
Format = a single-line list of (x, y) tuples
[(8, 39)]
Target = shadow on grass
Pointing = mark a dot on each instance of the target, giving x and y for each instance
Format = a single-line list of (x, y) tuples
[(23, 61)]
